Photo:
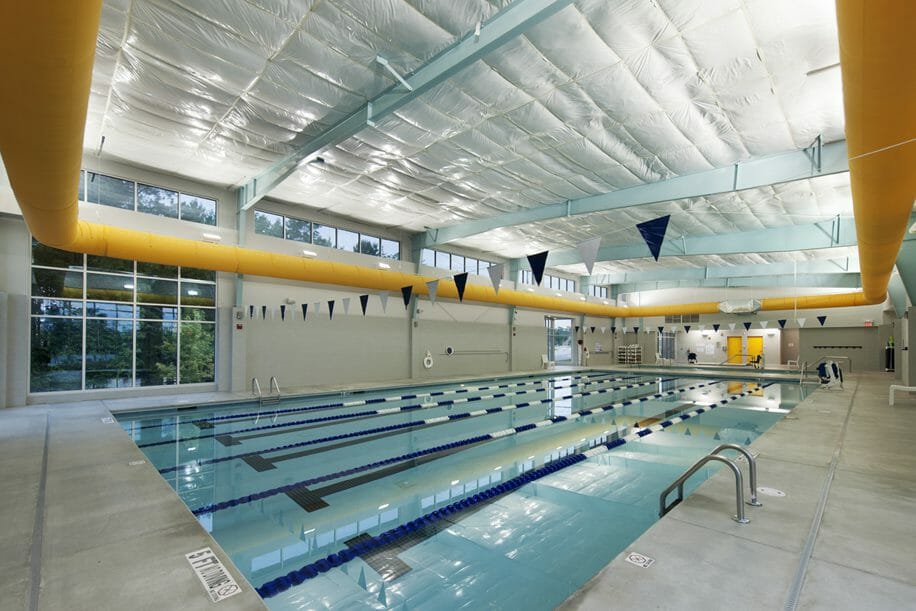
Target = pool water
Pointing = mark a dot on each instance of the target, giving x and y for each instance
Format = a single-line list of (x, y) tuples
[(283, 487)]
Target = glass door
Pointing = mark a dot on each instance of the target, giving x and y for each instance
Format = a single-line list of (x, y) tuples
[(559, 340)]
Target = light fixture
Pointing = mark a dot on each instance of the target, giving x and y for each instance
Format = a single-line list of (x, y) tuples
[(381, 507), (309, 253), (529, 289), (605, 303), (193, 293), (455, 482), (211, 237), (497, 468), (582, 298), (129, 286), (383, 265), (558, 294)]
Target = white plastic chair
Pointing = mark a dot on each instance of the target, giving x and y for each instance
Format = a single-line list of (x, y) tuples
[(546, 364)]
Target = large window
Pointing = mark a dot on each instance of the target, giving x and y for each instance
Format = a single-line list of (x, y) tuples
[(109, 323), (598, 291), (129, 195), (548, 281), (301, 230), (453, 262)]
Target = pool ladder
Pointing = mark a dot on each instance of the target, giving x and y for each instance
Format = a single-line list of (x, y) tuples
[(739, 481), (271, 399)]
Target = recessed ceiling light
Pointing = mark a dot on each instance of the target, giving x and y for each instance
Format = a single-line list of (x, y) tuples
[(383, 265), (213, 237), (309, 253)]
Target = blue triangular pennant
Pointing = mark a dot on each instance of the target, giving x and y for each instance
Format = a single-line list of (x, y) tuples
[(282, 312), (715, 327), (661, 330), (330, 309), (251, 311), (613, 329), (747, 326), (822, 320), (686, 328), (653, 232), (263, 312), (305, 310), (593, 329), (461, 281), (635, 329), (577, 328), (364, 302), (537, 263), (406, 292), (782, 323)]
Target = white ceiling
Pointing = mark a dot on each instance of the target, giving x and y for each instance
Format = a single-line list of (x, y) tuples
[(601, 96)]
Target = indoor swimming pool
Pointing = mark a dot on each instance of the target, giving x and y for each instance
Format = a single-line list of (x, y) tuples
[(508, 492)]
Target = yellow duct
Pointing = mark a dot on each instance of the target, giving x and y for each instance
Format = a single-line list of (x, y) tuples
[(878, 61), (41, 143)]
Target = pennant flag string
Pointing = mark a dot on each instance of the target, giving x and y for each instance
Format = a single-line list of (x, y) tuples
[(496, 274), (330, 309), (363, 303), (588, 250), (822, 320), (305, 309), (538, 262), (406, 292), (782, 323), (461, 281), (282, 312), (653, 232), (432, 288)]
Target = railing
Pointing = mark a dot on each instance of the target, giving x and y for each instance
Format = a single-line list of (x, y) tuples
[(255, 389), (739, 481), (271, 399)]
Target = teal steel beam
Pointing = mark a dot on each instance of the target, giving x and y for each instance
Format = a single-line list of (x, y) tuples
[(515, 19), (830, 266), (906, 266), (842, 232), (897, 292), (753, 173), (848, 280)]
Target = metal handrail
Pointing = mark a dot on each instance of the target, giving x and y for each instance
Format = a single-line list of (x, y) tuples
[(274, 384), (739, 481), (255, 388)]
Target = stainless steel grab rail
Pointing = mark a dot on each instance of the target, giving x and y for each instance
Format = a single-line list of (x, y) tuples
[(255, 388), (739, 481)]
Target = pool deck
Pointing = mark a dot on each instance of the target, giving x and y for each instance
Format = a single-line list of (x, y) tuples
[(87, 526)]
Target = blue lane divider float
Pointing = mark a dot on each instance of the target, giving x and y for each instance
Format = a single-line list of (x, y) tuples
[(357, 403), (279, 585), (214, 507), (362, 414), (406, 425)]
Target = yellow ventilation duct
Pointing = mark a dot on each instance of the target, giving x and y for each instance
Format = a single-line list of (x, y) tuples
[(41, 142), (878, 60)]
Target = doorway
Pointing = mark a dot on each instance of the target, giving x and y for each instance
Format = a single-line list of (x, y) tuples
[(559, 340), (754, 347), (735, 357)]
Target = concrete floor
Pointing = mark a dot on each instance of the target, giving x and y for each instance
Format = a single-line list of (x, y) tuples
[(843, 537), (81, 527)]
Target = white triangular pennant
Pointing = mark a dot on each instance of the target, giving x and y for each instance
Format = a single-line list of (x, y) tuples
[(384, 297), (731, 326), (764, 323), (702, 327), (588, 250), (432, 287), (346, 304), (317, 306), (496, 274), (603, 330), (801, 321)]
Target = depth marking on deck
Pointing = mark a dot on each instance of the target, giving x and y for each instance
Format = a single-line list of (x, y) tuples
[(640, 560), (216, 580)]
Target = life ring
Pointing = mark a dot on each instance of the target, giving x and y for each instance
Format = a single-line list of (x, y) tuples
[(428, 361)]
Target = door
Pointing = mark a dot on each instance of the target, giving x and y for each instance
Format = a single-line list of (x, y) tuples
[(754, 347), (734, 349), (559, 340)]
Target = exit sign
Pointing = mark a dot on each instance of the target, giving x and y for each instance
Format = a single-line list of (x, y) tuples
[(869, 323)]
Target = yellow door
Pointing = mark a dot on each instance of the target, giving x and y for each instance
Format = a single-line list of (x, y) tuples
[(754, 347), (734, 349)]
